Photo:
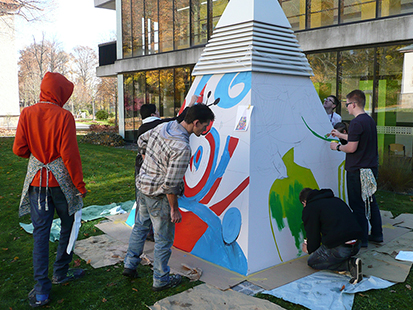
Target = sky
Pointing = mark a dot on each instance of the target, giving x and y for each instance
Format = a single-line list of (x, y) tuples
[(71, 22)]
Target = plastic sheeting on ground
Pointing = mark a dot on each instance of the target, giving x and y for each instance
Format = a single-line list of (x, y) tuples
[(326, 290), (88, 214), (96, 211)]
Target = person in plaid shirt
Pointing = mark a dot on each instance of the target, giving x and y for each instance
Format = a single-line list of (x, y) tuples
[(166, 153)]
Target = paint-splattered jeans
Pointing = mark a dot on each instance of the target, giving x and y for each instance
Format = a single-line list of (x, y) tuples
[(333, 259), (158, 212)]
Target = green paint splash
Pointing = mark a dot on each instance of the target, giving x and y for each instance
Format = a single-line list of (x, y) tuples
[(284, 202), (317, 135)]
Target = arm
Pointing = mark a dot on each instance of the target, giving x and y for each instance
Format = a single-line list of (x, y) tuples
[(69, 151), (143, 142), (178, 164), (350, 147), (20, 145), (312, 230), (176, 216), (335, 133)]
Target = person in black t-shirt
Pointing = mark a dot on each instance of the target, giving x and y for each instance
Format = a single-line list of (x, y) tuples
[(361, 160)]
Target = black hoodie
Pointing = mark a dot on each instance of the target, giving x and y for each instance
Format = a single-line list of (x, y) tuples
[(328, 220)]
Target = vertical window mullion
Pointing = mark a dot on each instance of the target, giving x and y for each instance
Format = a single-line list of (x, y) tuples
[(375, 84)]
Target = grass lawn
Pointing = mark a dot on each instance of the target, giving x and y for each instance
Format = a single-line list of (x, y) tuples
[(109, 177)]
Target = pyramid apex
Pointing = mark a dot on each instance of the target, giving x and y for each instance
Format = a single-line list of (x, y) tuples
[(264, 11)]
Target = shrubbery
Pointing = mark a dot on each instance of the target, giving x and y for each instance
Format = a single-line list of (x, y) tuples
[(395, 174), (103, 135), (103, 138), (101, 115)]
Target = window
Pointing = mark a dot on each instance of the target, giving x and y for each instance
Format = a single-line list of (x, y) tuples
[(199, 10), (395, 7), (138, 33), (167, 108), (126, 29), (385, 74), (324, 67), (166, 27), (295, 12), (181, 24), (356, 10), (323, 13)]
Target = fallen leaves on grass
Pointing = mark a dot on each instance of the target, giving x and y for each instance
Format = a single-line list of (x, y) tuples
[(134, 289), (363, 295), (408, 287), (88, 261), (60, 301), (110, 284), (104, 300), (77, 262), (5, 249)]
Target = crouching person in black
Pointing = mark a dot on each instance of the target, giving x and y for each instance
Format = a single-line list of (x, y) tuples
[(333, 234)]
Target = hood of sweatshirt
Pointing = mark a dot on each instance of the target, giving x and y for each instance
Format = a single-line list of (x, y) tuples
[(55, 88), (316, 194), (174, 131)]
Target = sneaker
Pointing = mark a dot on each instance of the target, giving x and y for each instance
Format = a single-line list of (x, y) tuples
[(355, 270), (131, 273), (72, 274), (174, 281), (34, 303)]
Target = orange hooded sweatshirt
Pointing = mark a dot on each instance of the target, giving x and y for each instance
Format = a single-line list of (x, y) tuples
[(48, 131)]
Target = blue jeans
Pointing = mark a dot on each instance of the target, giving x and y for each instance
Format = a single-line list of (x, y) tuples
[(333, 259), (359, 207), (155, 211), (42, 222)]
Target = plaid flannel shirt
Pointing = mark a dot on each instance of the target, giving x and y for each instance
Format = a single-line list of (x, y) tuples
[(167, 154)]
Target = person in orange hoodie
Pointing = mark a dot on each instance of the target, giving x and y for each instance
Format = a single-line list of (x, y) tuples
[(46, 134)]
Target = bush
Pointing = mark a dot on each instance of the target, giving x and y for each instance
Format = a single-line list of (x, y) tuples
[(395, 174), (111, 120), (101, 115), (103, 138), (102, 128)]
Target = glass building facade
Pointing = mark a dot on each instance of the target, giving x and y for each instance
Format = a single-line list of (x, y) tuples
[(385, 74), (311, 14), (157, 26), (382, 69)]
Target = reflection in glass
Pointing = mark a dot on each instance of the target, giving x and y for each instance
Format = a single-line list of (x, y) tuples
[(295, 12), (167, 93), (165, 26), (324, 66), (181, 24), (218, 7), (126, 29), (395, 7), (128, 102), (152, 26), (357, 73), (356, 10), (152, 87), (323, 13), (138, 34), (199, 21), (182, 84), (139, 92)]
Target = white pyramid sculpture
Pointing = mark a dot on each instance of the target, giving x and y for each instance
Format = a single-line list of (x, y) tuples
[(240, 208)]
